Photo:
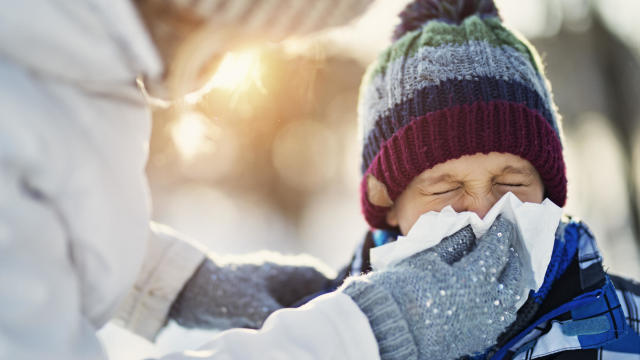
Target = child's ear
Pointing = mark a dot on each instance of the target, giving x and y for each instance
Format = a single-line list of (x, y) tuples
[(377, 192)]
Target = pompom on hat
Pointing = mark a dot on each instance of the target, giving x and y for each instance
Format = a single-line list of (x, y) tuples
[(454, 82)]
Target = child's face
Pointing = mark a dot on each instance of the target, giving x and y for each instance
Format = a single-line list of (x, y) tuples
[(469, 183)]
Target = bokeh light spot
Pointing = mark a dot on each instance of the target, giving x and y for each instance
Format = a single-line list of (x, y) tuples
[(193, 133)]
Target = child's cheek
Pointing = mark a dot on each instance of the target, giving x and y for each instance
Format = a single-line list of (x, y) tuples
[(527, 194), (451, 199), (436, 203)]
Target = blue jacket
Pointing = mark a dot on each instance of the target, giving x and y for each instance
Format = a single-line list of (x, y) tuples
[(584, 314)]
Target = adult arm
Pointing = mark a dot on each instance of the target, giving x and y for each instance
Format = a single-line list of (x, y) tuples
[(180, 280), (407, 311), (329, 327)]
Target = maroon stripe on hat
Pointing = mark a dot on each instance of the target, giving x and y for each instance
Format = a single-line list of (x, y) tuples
[(481, 127)]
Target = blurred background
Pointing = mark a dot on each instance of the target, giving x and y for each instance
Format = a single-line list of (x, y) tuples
[(268, 158)]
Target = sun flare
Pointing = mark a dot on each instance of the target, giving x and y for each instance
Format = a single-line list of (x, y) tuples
[(237, 71)]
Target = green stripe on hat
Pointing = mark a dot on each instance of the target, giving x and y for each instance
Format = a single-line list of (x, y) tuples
[(437, 33)]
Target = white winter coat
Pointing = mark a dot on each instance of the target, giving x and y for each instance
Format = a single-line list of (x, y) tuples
[(74, 207)]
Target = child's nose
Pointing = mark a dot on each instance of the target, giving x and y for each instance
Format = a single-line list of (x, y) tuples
[(479, 205)]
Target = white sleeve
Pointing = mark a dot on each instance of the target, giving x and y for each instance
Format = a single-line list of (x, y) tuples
[(170, 260), (40, 302), (329, 327)]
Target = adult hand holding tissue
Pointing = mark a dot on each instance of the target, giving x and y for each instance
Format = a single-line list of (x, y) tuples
[(456, 274), (444, 302)]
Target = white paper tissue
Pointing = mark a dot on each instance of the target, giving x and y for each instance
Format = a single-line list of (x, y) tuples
[(536, 224)]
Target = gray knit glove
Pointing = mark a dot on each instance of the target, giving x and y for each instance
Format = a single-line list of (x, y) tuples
[(244, 291), (445, 302)]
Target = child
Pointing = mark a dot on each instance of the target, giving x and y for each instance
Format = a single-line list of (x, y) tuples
[(457, 111)]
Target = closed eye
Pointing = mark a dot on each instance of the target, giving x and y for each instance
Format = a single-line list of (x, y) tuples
[(445, 191), (512, 185)]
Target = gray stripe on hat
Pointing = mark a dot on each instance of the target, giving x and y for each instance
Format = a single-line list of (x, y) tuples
[(429, 66)]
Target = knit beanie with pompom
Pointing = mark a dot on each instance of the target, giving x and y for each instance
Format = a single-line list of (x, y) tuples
[(454, 82)]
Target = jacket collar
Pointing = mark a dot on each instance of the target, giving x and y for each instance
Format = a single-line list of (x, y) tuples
[(581, 310)]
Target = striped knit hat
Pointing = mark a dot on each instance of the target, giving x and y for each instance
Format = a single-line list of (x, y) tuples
[(455, 82)]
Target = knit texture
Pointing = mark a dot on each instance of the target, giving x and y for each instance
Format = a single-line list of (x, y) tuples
[(462, 287), (461, 83), (394, 337), (278, 17), (241, 292)]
